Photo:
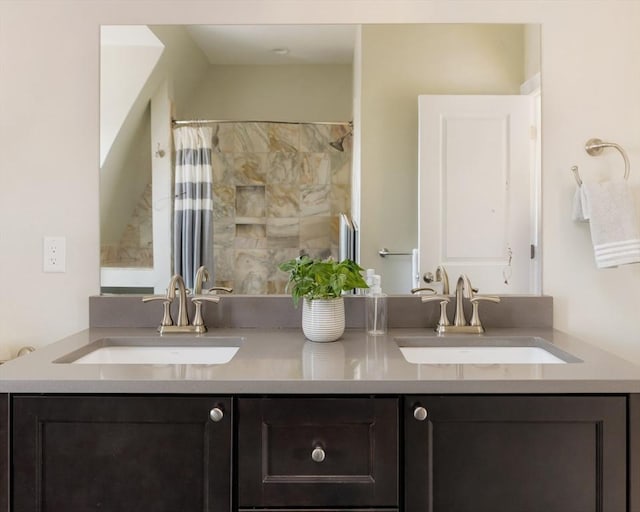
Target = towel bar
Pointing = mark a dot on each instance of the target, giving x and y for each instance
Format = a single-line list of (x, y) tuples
[(594, 147), (386, 252)]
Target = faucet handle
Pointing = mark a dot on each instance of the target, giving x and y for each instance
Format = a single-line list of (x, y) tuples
[(206, 298), (488, 298), (475, 316), (215, 289), (422, 289), (151, 298), (432, 298), (444, 319), (166, 311), (198, 321)]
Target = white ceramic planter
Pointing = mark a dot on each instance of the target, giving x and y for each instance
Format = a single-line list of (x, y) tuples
[(323, 319)]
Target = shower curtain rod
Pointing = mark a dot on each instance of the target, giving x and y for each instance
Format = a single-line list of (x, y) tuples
[(212, 121)]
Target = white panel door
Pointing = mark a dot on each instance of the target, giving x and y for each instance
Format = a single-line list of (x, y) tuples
[(475, 193)]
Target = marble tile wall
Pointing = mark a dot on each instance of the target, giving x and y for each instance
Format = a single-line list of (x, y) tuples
[(135, 248), (278, 191)]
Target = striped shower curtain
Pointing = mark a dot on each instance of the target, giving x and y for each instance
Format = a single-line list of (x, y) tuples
[(193, 207)]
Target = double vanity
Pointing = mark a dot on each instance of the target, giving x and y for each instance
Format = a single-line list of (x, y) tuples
[(251, 416)]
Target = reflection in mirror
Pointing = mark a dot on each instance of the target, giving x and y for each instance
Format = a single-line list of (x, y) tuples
[(282, 103), (278, 189), (279, 155)]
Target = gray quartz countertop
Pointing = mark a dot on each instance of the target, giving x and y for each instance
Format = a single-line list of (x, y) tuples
[(281, 361)]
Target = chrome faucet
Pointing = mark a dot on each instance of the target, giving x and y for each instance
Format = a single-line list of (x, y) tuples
[(167, 325), (442, 276), (202, 276), (183, 316), (464, 290), (182, 325)]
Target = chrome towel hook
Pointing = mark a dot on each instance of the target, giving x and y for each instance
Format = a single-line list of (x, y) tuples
[(576, 175)]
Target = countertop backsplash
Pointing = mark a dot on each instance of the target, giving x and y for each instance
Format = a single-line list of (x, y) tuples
[(277, 311)]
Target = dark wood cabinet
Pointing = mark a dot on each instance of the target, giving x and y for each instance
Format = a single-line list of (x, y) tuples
[(318, 452), (431, 453), (121, 453), (633, 452), (515, 453), (4, 452)]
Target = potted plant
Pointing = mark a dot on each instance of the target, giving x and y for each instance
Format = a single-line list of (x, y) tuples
[(320, 283)]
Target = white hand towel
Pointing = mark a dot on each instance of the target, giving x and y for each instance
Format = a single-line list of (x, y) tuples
[(577, 213), (615, 227)]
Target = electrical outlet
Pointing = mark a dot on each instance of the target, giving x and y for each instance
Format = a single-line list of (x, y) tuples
[(54, 254)]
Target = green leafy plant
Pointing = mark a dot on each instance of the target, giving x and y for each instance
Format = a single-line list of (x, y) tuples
[(321, 279)]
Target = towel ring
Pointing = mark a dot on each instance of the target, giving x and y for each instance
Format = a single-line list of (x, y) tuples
[(594, 147)]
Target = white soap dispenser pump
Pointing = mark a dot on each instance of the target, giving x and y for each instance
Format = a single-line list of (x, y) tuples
[(376, 308)]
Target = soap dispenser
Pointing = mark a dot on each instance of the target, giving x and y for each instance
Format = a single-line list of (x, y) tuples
[(376, 308), (368, 278)]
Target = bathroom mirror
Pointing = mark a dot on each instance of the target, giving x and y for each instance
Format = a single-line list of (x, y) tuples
[(284, 95)]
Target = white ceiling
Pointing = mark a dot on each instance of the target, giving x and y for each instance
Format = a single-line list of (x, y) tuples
[(255, 44)]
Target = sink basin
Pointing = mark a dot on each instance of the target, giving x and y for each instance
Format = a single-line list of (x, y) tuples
[(156, 350), (482, 350)]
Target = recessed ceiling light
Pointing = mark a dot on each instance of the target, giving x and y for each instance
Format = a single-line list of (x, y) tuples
[(280, 51)]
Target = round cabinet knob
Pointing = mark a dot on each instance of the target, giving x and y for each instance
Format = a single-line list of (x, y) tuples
[(317, 454), (216, 414), (420, 413)]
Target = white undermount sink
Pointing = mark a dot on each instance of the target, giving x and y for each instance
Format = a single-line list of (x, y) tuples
[(157, 350), (481, 350)]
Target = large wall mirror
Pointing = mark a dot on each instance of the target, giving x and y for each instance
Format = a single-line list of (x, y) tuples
[(309, 128)]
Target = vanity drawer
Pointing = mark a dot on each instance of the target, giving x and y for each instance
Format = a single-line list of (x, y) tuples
[(328, 452)]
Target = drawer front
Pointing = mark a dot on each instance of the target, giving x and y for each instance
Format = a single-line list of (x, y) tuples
[(365, 509), (318, 452)]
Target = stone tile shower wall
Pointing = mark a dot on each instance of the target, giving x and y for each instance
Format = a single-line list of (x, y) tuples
[(278, 191), (135, 247)]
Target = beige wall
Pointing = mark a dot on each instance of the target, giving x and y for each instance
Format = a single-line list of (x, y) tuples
[(273, 93), (533, 46), (49, 141)]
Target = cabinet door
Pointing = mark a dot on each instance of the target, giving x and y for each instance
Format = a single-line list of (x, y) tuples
[(515, 453), (318, 452), (4, 451), (78, 454)]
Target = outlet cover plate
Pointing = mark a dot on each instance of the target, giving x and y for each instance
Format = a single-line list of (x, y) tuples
[(54, 254)]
